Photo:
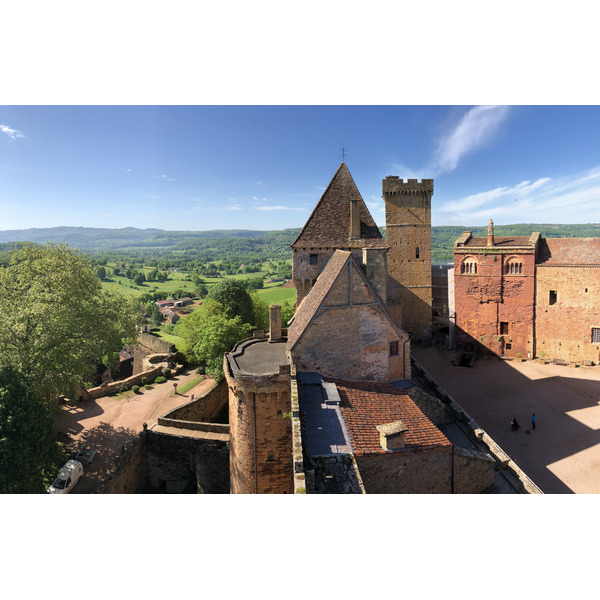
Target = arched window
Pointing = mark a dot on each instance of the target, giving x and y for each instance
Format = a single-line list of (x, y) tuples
[(514, 266), (469, 266)]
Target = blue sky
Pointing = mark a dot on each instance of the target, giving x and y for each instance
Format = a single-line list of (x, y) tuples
[(265, 167)]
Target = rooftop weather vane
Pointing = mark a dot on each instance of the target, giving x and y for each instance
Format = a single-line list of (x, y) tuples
[(344, 153)]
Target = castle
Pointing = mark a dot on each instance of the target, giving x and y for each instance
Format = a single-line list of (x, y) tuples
[(327, 403), (526, 297)]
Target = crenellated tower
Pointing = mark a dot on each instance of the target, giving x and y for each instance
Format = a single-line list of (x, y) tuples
[(408, 235)]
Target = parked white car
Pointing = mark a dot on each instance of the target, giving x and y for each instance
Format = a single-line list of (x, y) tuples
[(67, 478)]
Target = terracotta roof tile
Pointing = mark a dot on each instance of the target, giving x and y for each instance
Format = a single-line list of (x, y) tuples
[(520, 240), (365, 405), (329, 224), (569, 252)]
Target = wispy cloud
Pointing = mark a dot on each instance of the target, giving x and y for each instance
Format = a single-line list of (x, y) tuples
[(571, 199), (163, 177), (13, 134), (277, 207), (475, 129)]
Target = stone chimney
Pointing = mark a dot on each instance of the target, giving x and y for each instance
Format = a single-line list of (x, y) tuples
[(354, 220), (275, 323), (391, 435), (375, 266), (490, 241)]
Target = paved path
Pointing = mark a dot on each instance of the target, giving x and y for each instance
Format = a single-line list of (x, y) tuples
[(110, 423), (562, 455)]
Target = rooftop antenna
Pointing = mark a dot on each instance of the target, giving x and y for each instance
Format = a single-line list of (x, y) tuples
[(344, 154)]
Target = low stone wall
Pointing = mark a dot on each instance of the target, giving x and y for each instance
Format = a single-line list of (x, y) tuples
[(123, 384), (503, 461), (132, 471), (157, 345), (202, 409), (473, 471), (430, 406)]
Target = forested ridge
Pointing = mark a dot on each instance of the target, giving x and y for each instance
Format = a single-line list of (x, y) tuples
[(180, 247)]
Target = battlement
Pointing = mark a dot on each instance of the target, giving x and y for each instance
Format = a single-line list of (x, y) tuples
[(393, 183)]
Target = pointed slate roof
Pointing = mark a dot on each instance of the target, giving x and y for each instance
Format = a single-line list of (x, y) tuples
[(312, 302), (329, 224)]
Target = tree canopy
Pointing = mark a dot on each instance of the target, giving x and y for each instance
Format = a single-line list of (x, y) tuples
[(56, 321), (234, 299), (27, 450), (208, 333)]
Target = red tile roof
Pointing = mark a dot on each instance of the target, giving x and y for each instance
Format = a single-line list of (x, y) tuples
[(329, 224), (569, 252), (365, 405)]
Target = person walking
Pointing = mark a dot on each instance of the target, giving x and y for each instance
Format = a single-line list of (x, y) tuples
[(533, 421)]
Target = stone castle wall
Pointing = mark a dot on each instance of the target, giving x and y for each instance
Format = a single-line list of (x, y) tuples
[(564, 329), (485, 299), (407, 472)]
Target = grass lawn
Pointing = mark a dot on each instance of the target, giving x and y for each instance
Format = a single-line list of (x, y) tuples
[(190, 384), (278, 295)]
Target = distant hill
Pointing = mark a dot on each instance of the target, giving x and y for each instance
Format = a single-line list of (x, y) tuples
[(269, 243), (88, 238)]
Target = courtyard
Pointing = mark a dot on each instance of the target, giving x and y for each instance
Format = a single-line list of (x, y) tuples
[(562, 454)]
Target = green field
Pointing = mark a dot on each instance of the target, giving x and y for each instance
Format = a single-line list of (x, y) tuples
[(278, 295)]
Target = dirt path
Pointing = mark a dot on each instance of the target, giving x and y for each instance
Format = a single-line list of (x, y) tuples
[(562, 454), (111, 423)]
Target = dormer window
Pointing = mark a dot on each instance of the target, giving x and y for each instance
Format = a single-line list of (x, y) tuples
[(469, 266)]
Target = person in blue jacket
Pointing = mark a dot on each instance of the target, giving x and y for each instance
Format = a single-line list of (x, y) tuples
[(533, 421)]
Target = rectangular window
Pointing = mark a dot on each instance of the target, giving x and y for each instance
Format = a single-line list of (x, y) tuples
[(508, 346), (552, 297), (503, 328), (393, 348), (595, 335), (314, 259)]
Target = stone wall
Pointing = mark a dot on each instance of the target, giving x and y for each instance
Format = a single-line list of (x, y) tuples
[(181, 464), (488, 298), (408, 234), (132, 471), (564, 329), (203, 409), (407, 472), (123, 384), (430, 406), (336, 475), (473, 471)]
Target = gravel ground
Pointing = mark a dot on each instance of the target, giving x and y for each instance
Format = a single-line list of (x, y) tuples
[(562, 454), (109, 424)]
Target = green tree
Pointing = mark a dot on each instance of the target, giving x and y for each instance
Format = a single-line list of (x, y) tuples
[(27, 450), (153, 312), (101, 273), (208, 334), (139, 278), (260, 312), (234, 299), (56, 321)]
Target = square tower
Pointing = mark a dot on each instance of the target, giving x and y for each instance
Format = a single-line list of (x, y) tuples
[(408, 235)]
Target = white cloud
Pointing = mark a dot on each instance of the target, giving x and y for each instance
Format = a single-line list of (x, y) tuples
[(571, 199), (165, 178), (13, 134), (475, 129)]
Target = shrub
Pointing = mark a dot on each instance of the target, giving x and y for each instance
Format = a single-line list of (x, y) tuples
[(166, 372), (200, 370), (148, 387), (160, 379), (144, 380), (135, 389)]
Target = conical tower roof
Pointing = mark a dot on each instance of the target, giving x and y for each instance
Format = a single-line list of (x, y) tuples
[(329, 224)]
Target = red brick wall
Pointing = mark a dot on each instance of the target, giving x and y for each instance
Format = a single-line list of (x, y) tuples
[(486, 299)]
